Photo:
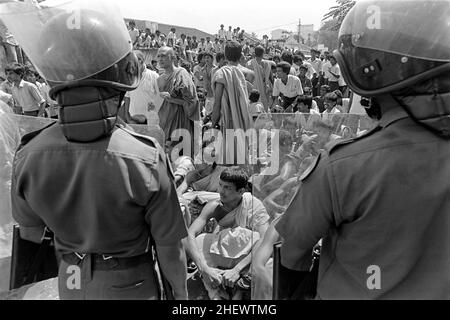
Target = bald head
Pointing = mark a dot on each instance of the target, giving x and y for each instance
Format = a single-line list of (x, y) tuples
[(166, 57)]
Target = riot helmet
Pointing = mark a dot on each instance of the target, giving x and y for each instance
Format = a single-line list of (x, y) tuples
[(76, 40), (385, 46), (83, 50)]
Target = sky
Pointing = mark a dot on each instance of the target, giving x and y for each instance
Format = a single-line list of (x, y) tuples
[(259, 16)]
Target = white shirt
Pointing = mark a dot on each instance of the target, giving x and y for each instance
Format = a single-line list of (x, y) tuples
[(325, 66), (291, 89), (222, 34), (201, 46), (317, 65), (145, 99), (133, 34), (182, 43), (229, 35), (171, 35), (336, 70), (311, 70), (209, 46), (328, 115)]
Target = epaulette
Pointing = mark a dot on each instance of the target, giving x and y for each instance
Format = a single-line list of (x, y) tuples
[(138, 135), (29, 136), (153, 141), (335, 145)]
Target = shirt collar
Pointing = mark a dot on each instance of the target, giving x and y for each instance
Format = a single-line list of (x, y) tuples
[(21, 83), (393, 115)]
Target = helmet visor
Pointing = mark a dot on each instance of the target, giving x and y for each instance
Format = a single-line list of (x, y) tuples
[(418, 29), (71, 41)]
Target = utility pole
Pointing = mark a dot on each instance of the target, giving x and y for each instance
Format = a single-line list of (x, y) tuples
[(299, 31)]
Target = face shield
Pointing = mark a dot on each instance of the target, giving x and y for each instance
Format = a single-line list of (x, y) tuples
[(71, 41)]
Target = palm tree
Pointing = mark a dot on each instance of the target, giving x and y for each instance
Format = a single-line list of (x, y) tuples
[(337, 14)]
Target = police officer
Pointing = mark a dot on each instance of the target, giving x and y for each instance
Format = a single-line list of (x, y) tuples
[(381, 202), (106, 192)]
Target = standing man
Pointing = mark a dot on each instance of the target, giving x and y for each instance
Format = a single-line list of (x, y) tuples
[(172, 38), (207, 74), (108, 194), (209, 46), (221, 34), (263, 70), (25, 94), (317, 65), (217, 47), (334, 74), (381, 201), (180, 108), (229, 34), (183, 46), (230, 99), (134, 33)]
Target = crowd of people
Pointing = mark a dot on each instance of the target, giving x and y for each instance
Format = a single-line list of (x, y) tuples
[(226, 208), (300, 175)]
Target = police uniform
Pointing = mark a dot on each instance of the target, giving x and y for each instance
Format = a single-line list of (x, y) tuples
[(380, 200), (106, 201)]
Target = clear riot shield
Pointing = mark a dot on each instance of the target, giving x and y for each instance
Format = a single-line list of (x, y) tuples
[(293, 143), (12, 128)]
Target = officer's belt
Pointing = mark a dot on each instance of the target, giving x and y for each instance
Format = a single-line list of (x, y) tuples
[(104, 262)]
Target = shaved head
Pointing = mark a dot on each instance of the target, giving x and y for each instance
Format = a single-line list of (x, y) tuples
[(168, 51), (166, 57)]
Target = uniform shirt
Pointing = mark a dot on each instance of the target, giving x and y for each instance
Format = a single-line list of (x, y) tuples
[(107, 196), (381, 200), (27, 95), (291, 89)]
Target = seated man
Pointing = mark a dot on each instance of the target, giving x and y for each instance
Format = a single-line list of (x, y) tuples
[(242, 220)]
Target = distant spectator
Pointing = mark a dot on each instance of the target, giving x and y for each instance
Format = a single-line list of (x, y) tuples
[(256, 107), (134, 32), (171, 37), (26, 94)]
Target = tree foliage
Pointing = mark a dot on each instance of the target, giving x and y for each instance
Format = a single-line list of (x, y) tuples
[(336, 15)]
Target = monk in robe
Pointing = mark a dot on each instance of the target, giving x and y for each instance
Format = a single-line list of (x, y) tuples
[(231, 103), (180, 109), (263, 70)]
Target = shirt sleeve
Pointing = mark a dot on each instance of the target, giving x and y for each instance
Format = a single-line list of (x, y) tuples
[(34, 91), (307, 219), (21, 210), (276, 89), (163, 212), (299, 89)]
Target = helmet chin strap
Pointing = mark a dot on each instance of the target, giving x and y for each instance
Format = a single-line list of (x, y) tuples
[(88, 113)]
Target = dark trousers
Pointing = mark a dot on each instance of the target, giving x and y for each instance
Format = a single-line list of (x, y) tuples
[(93, 278)]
